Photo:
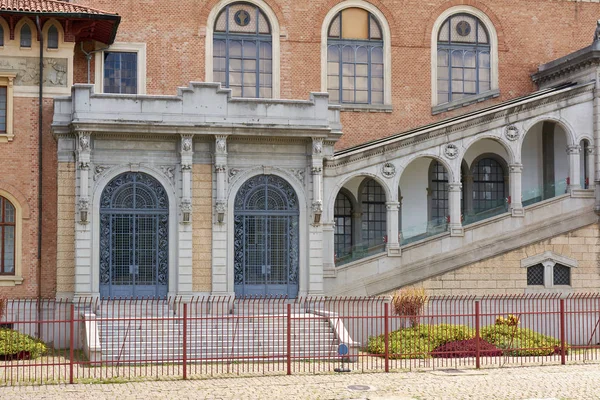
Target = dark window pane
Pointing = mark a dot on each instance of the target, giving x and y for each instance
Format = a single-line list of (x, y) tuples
[(25, 36), (53, 37), (535, 275), (562, 275), (120, 72)]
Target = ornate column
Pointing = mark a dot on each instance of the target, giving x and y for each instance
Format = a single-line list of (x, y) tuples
[(221, 172), (317, 178), (456, 228), (187, 153), (316, 246), (515, 190), (83, 262), (574, 167), (393, 243)]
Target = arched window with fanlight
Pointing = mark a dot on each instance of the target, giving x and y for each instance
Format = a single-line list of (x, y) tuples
[(463, 58), (243, 51), (7, 237), (355, 66)]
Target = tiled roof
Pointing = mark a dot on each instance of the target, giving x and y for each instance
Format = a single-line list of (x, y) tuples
[(47, 6)]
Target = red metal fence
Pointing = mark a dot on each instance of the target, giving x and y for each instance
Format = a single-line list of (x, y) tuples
[(95, 340)]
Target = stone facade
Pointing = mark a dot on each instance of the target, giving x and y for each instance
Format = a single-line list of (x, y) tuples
[(504, 274)]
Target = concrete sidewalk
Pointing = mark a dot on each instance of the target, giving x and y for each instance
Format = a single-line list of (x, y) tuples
[(549, 382)]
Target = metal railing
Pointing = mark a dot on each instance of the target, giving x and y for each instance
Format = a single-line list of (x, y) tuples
[(94, 340)]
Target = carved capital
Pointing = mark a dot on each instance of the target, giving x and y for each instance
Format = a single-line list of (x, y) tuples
[(454, 187), (220, 168), (186, 167), (317, 146), (316, 170), (84, 141), (187, 143), (573, 149), (85, 166), (220, 144), (317, 206), (516, 168)]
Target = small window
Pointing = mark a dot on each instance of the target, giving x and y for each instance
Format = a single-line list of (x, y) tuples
[(53, 37), (3, 108), (25, 36), (7, 237), (1, 36), (562, 275), (120, 72), (535, 275)]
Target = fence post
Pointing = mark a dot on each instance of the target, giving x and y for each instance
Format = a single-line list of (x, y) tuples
[(562, 332), (386, 333), (71, 342), (289, 339), (185, 310), (477, 338)]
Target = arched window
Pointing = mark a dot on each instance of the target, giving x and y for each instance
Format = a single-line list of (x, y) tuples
[(355, 58), (488, 185), (343, 226), (7, 237), (463, 58), (242, 51), (438, 191), (1, 36), (53, 37), (374, 214), (25, 36)]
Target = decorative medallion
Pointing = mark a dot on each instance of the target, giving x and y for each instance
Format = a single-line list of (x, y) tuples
[(463, 28), (512, 133), (186, 144), (388, 170), (451, 151), (242, 17)]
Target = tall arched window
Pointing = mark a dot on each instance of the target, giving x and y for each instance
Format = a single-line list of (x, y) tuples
[(1, 36), (488, 185), (463, 58), (438, 191), (374, 214), (53, 37), (7, 237), (242, 51), (25, 36), (343, 226), (355, 58)]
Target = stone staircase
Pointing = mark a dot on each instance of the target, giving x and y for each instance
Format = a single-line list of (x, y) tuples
[(130, 333)]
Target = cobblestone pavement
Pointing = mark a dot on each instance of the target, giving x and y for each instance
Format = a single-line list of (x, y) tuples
[(521, 383)]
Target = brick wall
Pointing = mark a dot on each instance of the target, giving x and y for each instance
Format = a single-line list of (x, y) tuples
[(65, 263), (530, 33), (504, 275), (202, 227)]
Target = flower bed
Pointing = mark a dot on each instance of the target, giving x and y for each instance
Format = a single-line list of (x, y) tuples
[(18, 346)]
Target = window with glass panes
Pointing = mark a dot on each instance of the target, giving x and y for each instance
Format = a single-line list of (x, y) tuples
[(535, 275), (342, 216), (463, 58), (355, 58), (488, 185), (7, 237), (374, 214), (243, 51), (120, 72), (3, 108), (53, 37), (25, 36), (438, 190), (561, 274), (1, 36)]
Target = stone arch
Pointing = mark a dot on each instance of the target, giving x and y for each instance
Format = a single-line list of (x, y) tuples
[(562, 122), (453, 177), (275, 34), (467, 144), (340, 184)]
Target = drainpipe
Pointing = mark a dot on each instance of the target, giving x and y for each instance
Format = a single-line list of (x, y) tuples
[(40, 130), (88, 57)]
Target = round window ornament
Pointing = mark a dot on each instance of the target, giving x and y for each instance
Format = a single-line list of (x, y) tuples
[(512, 133), (463, 28), (242, 17), (451, 151)]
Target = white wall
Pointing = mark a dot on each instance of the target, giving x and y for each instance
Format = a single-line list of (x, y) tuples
[(531, 155), (485, 146), (413, 187), (561, 160)]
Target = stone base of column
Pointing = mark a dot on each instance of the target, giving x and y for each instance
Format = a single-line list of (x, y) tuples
[(457, 230), (393, 250)]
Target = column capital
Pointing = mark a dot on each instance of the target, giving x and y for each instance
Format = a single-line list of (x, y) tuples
[(454, 187), (317, 146), (516, 168), (392, 205), (573, 149)]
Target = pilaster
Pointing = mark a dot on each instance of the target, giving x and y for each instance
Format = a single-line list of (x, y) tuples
[(573, 152), (393, 243), (83, 256), (455, 225), (515, 188)]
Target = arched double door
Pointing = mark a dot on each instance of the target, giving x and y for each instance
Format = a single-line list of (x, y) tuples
[(134, 237), (266, 238)]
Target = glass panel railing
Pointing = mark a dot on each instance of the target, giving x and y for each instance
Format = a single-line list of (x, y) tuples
[(543, 192), (422, 231), (496, 207), (359, 251)]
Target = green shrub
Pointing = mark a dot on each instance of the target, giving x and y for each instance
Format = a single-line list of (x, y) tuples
[(13, 343), (419, 341), (517, 341)]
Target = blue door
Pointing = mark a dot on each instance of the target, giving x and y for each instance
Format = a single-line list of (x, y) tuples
[(134, 244), (266, 238)]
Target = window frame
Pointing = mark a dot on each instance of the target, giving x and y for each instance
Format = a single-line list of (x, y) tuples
[(7, 80), (387, 59), (487, 24), (549, 260), (3, 226), (139, 48), (20, 215), (208, 32), (373, 212)]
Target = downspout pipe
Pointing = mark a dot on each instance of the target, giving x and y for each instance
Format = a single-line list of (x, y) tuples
[(40, 160)]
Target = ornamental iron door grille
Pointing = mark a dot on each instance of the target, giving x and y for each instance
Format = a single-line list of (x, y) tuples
[(266, 242), (134, 244)]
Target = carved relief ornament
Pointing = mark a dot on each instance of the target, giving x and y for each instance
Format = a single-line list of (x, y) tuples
[(388, 170), (451, 151)]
